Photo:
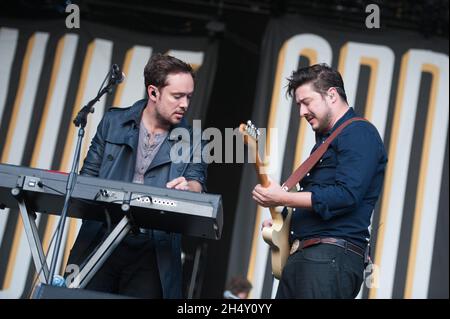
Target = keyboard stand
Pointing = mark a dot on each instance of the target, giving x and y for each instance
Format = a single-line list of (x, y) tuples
[(103, 252), (81, 277), (131, 205), (31, 231)]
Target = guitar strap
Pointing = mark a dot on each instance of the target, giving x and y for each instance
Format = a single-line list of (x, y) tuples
[(309, 163)]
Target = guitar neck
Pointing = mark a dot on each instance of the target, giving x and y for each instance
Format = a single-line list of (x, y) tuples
[(264, 181), (263, 178)]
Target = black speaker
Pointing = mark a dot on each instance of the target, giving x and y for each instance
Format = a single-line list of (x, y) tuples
[(44, 291)]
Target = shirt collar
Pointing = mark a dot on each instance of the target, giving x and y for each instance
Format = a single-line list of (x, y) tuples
[(348, 115), (134, 114)]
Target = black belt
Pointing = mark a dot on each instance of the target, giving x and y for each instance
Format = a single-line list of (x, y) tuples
[(301, 244)]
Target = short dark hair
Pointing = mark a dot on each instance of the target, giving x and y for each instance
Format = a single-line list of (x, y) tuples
[(321, 76), (159, 66)]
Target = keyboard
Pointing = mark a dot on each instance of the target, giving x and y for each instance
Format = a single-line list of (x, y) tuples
[(148, 207)]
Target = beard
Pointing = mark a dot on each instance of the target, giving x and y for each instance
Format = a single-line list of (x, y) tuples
[(323, 121)]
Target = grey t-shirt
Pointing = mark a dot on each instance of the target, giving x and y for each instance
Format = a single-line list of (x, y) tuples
[(148, 147)]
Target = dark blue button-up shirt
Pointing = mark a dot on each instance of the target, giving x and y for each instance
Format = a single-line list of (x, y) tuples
[(345, 184)]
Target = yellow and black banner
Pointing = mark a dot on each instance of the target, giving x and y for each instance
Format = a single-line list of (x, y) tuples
[(399, 81)]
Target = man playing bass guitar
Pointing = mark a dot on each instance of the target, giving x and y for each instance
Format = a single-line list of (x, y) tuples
[(333, 207)]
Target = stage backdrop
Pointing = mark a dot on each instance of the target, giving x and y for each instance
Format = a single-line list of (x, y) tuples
[(47, 73), (399, 81)]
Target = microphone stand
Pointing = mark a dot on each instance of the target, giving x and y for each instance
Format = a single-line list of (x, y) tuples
[(79, 121)]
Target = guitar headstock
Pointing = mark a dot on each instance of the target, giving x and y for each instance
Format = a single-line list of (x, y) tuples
[(250, 132), (251, 135)]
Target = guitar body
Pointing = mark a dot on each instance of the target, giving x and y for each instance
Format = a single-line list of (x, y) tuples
[(277, 237)]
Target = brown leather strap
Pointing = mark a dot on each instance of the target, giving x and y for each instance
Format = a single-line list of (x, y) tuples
[(309, 163)]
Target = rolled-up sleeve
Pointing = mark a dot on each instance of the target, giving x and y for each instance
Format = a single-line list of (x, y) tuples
[(358, 153)]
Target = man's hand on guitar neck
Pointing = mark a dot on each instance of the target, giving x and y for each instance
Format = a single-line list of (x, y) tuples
[(273, 196), (270, 196)]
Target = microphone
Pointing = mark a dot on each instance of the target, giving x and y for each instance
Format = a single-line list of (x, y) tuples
[(117, 76), (229, 295)]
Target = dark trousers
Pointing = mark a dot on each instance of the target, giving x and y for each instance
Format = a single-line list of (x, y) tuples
[(131, 270), (321, 271)]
